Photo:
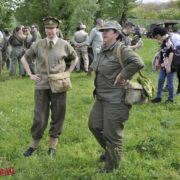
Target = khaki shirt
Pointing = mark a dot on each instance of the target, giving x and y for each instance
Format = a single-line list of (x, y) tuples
[(107, 67), (80, 36), (56, 59)]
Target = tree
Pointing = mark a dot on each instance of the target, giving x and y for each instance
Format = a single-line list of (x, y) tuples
[(116, 9), (83, 13), (32, 11), (7, 9), (178, 5)]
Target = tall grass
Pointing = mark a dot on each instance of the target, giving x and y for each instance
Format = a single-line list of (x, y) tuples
[(151, 136)]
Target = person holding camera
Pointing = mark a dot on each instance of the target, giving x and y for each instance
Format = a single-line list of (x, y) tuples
[(16, 41), (129, 28)]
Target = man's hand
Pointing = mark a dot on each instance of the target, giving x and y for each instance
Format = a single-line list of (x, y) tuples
[(119, 80), (35, 77), (168, 69)]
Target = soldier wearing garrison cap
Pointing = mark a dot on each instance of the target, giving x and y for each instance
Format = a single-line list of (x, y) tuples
[(55, 50), (51, 22), (109, 112)]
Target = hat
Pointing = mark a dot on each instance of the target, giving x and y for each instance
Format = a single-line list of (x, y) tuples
[(51, 22), (112, 25), (82, 26)]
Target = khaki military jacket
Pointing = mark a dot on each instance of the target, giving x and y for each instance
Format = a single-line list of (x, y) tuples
[(56, 58), (107, 67)]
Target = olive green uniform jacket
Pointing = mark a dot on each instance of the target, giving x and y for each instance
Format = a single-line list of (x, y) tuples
[(108, 67)]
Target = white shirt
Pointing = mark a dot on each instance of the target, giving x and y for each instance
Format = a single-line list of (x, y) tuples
[(175, 39), (54, 40), (1, 37)]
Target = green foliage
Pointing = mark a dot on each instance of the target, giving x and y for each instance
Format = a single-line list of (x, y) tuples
[(151, 135), (33, 11), (84, 14), (6, 17), (172, 11), (114, 9), (7, 8), (71, 12)]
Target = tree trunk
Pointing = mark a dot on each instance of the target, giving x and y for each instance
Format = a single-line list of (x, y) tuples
[(124, 12)]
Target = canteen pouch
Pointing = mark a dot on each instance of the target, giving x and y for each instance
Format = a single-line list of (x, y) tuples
[(135, 93)]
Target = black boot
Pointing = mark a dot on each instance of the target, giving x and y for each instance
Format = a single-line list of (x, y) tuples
[(103, 157), (29, 152), (113, 157), (156, 100)]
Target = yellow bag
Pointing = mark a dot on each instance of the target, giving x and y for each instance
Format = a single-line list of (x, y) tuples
[(60, 82)]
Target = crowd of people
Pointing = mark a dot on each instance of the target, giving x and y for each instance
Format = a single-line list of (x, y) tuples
[(109, 112), (13, 46)]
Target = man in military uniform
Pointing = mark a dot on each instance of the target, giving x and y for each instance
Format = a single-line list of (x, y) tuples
[(109, 112), (80, 37), (55, 51)]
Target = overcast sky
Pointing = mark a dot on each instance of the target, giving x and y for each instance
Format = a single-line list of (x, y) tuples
[(158, 1)]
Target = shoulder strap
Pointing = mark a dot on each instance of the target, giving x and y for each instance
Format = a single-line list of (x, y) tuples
[(119, 54)]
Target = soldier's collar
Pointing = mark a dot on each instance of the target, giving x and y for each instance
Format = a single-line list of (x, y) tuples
[(111, 47), (55, 39)]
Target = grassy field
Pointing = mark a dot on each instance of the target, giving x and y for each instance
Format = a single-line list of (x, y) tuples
[(151, 137)]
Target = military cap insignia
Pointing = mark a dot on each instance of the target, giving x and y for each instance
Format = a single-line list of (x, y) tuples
[(50, 22)]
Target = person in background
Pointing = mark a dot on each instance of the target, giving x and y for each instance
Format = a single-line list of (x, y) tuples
[(60, 34), (175, 38), (95, 40), (36, 36), (6, 49), (16, 41), (27, 45), (127, 30), (1, 46), (78, 41), (55, 50), (165, 60), (109, 112)]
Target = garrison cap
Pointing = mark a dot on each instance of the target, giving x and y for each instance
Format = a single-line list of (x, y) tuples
[(82, 26), (51, 22), (112, 25)]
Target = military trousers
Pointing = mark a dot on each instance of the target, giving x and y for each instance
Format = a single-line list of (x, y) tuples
[(82, 55), (106, 122), (44, 101)]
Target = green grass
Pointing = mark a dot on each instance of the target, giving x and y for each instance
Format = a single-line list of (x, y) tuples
[(151, 136)]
